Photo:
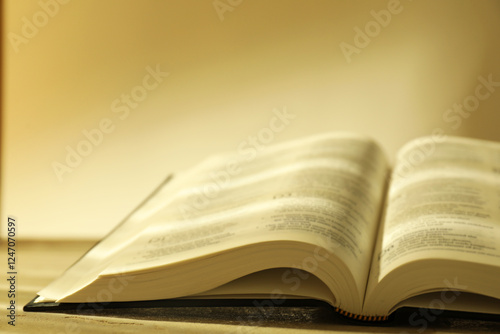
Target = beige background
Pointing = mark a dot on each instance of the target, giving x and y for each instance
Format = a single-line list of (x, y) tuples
[(225, 79)]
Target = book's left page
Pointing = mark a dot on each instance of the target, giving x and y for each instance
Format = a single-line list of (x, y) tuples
[(320, 195)]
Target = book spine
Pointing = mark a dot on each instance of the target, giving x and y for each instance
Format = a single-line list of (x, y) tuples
[(360, 317)]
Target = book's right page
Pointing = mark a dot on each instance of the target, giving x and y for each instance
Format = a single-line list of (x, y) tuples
[(441, 228)]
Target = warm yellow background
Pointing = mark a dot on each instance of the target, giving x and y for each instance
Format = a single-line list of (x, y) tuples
[(225, 79)]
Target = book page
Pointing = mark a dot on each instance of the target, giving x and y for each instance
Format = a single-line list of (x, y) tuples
[(325, 191), (444, 202)]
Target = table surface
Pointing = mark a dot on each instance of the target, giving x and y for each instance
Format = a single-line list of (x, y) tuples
[(40, 262)]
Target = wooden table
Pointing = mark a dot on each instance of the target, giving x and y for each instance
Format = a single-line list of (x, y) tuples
[(39, 262)]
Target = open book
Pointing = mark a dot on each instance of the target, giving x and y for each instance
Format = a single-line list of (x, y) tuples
[(321, 218)]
